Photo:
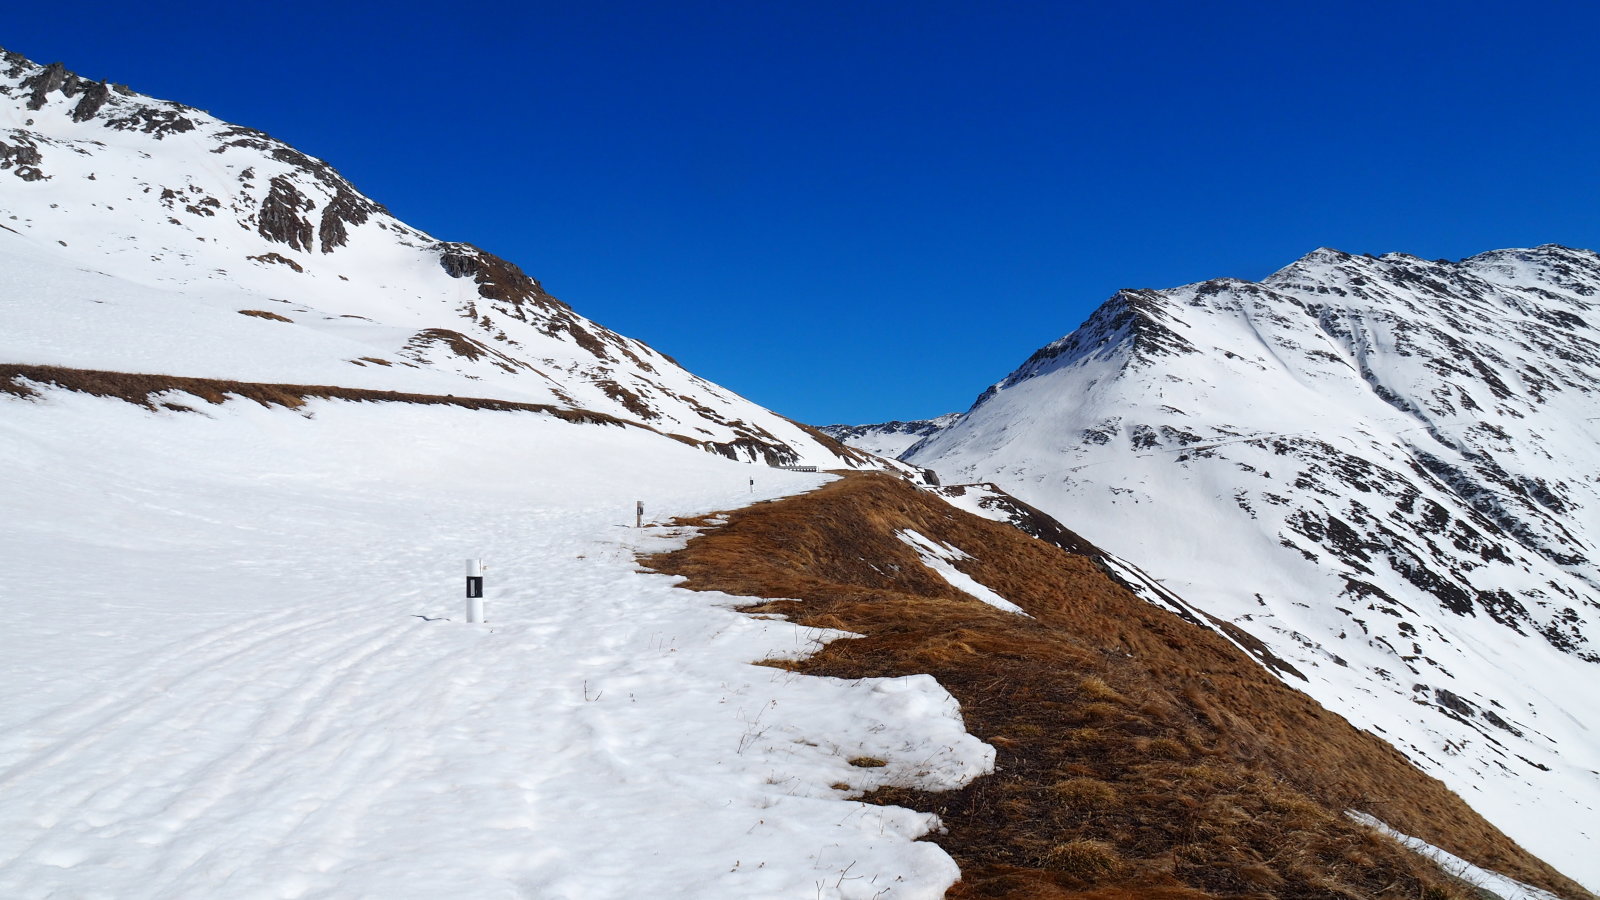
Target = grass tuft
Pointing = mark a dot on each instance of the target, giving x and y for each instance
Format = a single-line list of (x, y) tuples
[(1166, 748), (1086, 860), (1084, 794)]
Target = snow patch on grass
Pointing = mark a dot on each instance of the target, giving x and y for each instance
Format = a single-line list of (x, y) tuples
[(1483, 879), (940, 558)]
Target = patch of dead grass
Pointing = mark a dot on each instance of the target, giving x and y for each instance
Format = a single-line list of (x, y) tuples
[(263, 314), (143, 389)]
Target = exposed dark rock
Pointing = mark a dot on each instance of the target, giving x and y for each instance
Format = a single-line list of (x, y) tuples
[(22, 159), (157, 122), (1454, 702), (95, 95), (346, 208), (1494, 719), (521, 296), (280, 217), (40, 84)]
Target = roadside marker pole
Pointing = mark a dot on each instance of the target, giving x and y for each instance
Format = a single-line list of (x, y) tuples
[(474, 590), (638, 513)]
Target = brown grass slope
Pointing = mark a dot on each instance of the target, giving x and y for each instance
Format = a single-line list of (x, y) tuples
[(145, 389), (1139, 755)]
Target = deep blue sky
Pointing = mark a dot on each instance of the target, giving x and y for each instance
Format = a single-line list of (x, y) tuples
[(857, 211)]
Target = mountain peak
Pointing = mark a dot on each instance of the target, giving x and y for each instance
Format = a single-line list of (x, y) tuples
[(82, 99), (1326, 255), (1135, 325), (157, 209), (890, 440), (1380, 467)]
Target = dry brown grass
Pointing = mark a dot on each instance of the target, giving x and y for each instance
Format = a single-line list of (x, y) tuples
[(142, 389), (1214, 779), (263, 314), (1085, 794), (1089, 861)]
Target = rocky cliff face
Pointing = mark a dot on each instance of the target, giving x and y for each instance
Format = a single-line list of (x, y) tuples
[(134, 231), (1381, 468)]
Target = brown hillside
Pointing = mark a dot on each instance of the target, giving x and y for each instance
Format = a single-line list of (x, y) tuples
[(1139, 755)]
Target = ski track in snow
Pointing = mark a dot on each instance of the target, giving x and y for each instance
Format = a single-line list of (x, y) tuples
[(219, 681)]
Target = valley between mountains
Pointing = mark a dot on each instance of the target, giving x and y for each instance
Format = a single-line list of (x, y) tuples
[(1240, 590)]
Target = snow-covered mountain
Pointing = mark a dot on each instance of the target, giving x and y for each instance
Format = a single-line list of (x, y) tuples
[(252, 425), (1383, 468), (890, 439), (141, 235), (248, 672)]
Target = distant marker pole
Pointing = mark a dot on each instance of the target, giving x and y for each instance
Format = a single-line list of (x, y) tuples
[(638, 513), (474, 590), (752, 485)]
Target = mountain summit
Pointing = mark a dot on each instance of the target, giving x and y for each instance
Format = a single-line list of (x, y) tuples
[(1383, 468)]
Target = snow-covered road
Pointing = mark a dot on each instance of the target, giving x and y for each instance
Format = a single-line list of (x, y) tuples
[(234, 665)]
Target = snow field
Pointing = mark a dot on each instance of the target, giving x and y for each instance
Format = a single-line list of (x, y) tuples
[(234, 665)]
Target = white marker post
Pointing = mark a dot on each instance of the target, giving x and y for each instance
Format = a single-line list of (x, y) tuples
[(638, 513), (474, 590)]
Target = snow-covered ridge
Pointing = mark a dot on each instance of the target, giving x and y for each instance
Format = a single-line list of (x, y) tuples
[(1382, 467), (143, 235), (890, 440)]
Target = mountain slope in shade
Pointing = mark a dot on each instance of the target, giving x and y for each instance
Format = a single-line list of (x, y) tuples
[(141, 235), (1382, 468), (890, 439)]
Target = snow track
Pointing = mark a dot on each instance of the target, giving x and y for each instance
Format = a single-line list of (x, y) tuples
[(253, 680)]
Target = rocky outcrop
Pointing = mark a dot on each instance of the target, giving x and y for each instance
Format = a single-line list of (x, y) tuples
[(280, 218), (22, 159)]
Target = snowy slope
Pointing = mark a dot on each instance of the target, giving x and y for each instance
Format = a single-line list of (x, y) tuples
[(142, 235), (1384, 468), (890, 439), (234, 664)]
